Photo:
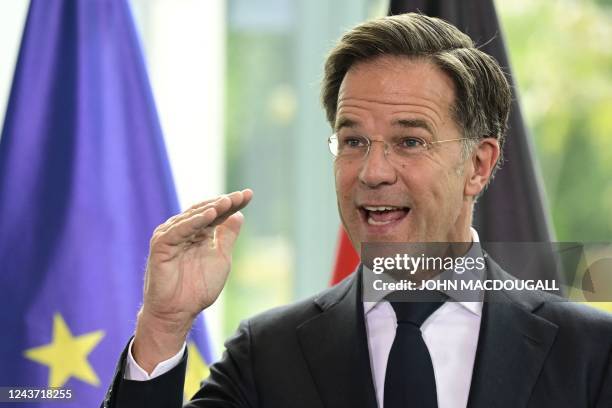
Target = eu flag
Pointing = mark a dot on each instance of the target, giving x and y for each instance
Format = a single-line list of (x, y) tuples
[(84, 180)]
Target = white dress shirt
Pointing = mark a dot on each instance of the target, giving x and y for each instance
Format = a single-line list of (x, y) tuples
[(134, 372), (451, 336), (450, 333)]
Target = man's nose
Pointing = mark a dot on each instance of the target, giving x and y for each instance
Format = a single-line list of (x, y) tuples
[(376, 169)]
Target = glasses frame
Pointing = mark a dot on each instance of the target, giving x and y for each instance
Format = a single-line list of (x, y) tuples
[(427, 145)]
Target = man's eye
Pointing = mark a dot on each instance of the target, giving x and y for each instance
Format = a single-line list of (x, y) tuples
[(411, 143), (354, 142)]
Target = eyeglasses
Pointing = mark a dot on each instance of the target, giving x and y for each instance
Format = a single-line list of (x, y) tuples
[(358, 147)]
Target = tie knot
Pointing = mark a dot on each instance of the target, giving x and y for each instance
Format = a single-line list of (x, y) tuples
[(416, 311)]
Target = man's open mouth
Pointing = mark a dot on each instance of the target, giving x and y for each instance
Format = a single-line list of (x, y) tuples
[(383, 215)]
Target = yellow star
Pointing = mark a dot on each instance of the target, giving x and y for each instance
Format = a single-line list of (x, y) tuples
[(197, 370), (66, 355)]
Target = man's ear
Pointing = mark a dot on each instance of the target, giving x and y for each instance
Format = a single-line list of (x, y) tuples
[(483, 160)]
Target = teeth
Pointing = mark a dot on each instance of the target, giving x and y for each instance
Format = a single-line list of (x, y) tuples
[(373, 222), (381, 208)]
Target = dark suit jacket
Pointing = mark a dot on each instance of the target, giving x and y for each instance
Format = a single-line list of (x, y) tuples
[(533, 351)]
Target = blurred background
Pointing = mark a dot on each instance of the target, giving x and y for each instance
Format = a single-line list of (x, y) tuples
[(236, 84)]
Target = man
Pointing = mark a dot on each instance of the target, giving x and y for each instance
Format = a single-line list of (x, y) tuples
[(419, 117)]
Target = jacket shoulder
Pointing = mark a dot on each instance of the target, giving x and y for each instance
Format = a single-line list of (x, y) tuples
[(556, 309), (578, 316), (291, 316)]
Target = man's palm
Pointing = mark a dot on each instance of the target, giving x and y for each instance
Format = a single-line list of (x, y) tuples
[(189, 260)]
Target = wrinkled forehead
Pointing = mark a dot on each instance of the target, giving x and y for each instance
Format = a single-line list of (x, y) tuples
[(397, 84), (394, 77)]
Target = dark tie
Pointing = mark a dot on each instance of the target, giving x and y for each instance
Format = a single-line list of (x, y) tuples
[(409, 379)]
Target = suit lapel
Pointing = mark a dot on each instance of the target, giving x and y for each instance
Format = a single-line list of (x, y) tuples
[(334, 345), (512, 347)]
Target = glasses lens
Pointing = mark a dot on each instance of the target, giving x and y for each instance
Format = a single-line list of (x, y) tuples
[(333, 145), (409, 146), (351, 146)]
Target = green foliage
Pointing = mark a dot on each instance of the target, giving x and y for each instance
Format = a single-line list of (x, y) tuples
[(561, 53)]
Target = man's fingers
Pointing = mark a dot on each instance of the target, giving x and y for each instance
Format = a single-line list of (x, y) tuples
[(223, 218), (192, 227), (239, 201), (234, 196), (227, 232), (229, 205), (183, 231), (219, 202), (186, 214)]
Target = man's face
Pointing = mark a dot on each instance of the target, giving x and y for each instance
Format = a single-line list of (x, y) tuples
[(392, 98)]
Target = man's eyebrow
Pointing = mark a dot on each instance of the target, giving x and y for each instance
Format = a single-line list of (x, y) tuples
[(345, 122), (413, 123)]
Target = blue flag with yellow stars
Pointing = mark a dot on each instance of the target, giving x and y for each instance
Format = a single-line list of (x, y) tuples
[(84, 180)]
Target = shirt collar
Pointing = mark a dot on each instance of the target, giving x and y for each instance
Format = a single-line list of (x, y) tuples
[(473, 307)]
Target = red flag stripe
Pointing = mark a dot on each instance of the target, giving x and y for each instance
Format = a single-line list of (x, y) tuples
[(347, 258)]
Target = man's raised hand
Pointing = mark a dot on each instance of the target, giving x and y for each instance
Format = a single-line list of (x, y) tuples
[(189, 260)]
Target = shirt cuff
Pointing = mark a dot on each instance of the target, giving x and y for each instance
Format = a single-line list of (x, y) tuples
[(135, 373)]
